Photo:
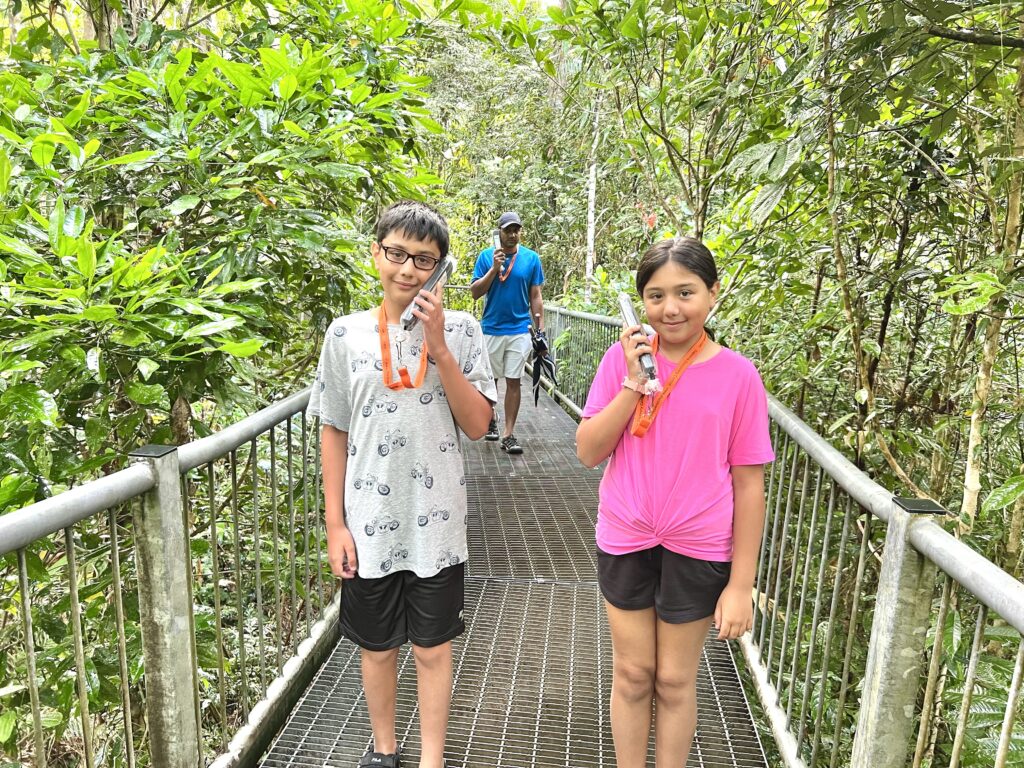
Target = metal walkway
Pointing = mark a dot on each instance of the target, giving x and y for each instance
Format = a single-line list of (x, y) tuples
[(533, 670)]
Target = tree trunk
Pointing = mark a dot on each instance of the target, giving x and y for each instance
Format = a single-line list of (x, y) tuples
[(1008, 245), (591, 207)]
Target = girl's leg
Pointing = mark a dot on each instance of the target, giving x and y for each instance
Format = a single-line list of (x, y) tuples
[(678, 651), (633, 673), (434, 690), (380, 681)]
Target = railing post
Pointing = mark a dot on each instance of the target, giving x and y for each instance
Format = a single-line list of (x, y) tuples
[(899, 631), (166, 614)]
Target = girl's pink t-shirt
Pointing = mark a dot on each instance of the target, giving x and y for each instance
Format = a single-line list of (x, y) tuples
[(673, 486)]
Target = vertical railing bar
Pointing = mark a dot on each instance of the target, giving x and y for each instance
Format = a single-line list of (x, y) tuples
[(773, 546), (803, 592), (278, 635), (832, 613), (801, 506), (972, 674), (760, 607), (122, 646), (1012, 696), (780, 566), (292, 549), (240, 619), (844, 680), (186, 510), (30, 659), (317, 517), (76, 626), (222, 705), (306, 585), (927, 706), (816, 614), (258, 565)]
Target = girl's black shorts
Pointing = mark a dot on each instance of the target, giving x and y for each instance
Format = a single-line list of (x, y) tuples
[(680, 588), (381, 614)]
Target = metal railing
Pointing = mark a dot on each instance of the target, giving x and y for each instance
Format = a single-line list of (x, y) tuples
[(224, 589), (859, 651)]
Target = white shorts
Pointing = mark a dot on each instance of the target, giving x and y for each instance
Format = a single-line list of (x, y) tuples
[(508, 355)]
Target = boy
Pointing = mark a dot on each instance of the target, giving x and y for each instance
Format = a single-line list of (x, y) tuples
[(390, 404)]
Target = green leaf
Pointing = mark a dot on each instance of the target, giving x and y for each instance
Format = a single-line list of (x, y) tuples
[(145, 394), (86, 257), (630, 26), (359, 94), (7, 720), (148, 367), (72, 118), (42, 152), (381, 99), (766, 201), (184, 203), (1005, 495), (286, 86), (5, 172), (208, 329), (132, 158), (100, 312), (241, 348), (430, 124), (74, 221), (27, 403)]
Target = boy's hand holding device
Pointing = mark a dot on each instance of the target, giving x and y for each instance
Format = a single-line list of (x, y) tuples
[(434, 285)]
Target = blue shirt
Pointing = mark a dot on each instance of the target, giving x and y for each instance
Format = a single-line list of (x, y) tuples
[(507, 302)]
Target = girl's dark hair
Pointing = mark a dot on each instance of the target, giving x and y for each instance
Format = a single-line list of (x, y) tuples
[(688, 252), (416, 220)]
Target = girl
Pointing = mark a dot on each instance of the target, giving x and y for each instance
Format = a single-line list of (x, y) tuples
[(681, 501)]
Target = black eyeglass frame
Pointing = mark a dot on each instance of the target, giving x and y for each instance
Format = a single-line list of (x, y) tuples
[(417, 259)]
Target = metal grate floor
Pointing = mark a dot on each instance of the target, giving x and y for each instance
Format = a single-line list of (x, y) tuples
[(532, 672)]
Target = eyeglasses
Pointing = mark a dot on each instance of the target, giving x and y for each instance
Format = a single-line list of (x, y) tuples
[(398, 256)]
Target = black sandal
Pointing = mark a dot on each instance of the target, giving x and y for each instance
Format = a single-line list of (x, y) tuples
[(381, 760)]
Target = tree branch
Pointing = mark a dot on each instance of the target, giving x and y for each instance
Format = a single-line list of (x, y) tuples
[(977, 38)]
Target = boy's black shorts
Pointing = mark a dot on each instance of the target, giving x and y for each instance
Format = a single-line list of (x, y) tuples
[(680, 588), (381, 614)]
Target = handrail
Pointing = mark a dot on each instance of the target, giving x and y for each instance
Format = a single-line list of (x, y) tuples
[(981, 577), (23, 526), (206, 449)]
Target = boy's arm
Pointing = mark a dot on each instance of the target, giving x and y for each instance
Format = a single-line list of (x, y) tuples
[(472, 411), (341, 548), (735, 612)]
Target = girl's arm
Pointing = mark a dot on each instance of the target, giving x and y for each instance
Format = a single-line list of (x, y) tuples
[(735, 612), (341, 548), (597, 436)]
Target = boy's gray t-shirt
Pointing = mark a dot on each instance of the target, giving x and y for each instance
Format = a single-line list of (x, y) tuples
[(405, 488)]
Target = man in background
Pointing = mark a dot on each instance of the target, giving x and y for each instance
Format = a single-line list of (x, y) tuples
[(510, 276)]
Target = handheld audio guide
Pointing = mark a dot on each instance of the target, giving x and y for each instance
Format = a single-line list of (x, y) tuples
[(439, 276), (629, 318)]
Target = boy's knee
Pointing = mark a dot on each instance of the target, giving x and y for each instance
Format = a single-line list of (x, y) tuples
[(380, 658), (434, 655)]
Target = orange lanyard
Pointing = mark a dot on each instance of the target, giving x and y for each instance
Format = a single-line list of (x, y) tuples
[(385, 353), (645, 411), (503, 276)]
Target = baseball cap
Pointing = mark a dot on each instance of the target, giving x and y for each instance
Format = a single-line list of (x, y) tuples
[(508, 218)]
